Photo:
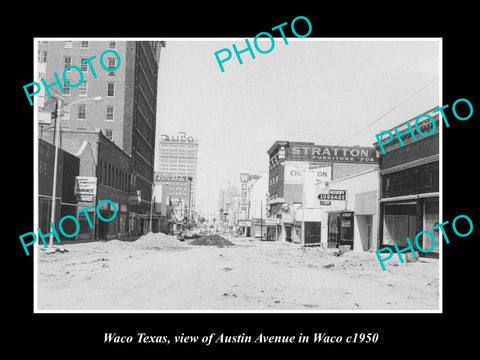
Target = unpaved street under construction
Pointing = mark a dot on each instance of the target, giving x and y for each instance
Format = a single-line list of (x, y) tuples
[(158, 272)]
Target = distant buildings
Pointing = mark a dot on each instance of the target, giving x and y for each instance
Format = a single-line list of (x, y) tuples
[(228, 204), (115, 136), (176, 171)]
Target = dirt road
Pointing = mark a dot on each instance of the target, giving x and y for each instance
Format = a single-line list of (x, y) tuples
[(157, 272)]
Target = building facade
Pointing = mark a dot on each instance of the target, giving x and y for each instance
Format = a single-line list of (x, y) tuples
[(100, 158), (68, 167), (410, 185), (291, 215), (351, 218), (123, 75), (257, 205), (176, 167)]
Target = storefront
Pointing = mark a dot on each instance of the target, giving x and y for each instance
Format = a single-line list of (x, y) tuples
[(350, 212), (312, 225), (340, 228), (273, 229), (245, 227)]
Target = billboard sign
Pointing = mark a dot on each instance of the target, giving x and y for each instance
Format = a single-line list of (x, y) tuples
[(346, 154), (295, 172), (85, 188)]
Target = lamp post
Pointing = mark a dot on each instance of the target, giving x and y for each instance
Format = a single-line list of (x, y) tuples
[(190, 199), (152, 202), (56, 144)]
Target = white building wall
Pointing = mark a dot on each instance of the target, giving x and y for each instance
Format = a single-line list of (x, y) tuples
[(356, 185), (257, 196)]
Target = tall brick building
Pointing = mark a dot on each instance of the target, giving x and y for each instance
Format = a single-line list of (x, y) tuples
[(126, 115)]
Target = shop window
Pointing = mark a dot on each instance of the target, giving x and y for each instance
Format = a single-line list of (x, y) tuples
[(398, 224), (416, 180)]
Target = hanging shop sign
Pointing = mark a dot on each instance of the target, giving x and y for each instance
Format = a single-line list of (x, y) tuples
[(85, 188), (135, 198), (333, 195), (244, 177), (271, 221)]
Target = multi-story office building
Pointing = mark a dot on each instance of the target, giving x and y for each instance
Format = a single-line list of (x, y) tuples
[(227, 201), (123, 76), (176, 168)]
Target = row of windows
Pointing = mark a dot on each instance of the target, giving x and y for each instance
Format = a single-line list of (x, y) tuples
[(67, 61), (273, 179), (274, 161), (83, 89), (113, 177), (82, 113), (83, 44)]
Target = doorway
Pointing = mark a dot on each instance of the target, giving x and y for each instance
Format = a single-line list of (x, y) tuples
[(340, 229)]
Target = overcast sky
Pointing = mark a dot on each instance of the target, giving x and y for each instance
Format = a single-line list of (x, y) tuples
[(309, 90)]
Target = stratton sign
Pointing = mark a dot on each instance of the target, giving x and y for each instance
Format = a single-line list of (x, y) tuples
[(350, 154)]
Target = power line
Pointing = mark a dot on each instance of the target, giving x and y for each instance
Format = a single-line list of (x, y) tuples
[(389, 111)]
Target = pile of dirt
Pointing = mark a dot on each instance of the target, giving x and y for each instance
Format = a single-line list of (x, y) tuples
[(157, 241), (212, 240)]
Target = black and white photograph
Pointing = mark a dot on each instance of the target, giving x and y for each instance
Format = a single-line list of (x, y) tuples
[(179, 187), (300, 182)]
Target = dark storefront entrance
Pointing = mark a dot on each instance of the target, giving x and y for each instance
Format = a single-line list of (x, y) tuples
[(340, 229)]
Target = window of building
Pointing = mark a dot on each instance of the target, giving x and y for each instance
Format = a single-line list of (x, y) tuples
[(42, 56), (83, 88), (65, 113), (66, 89), (67, 60), (84, 66), (416, 180), (112, 45), (68, 44), (104, 173), (109, 116), (82, 112), (109, 134), (112, 63), (111, 89), (84, 45)]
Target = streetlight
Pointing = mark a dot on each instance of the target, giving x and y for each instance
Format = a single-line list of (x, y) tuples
[(190, 199), (56, 144), (152, 202)]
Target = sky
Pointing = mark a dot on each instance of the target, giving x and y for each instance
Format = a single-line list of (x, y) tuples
[(324, 91)]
